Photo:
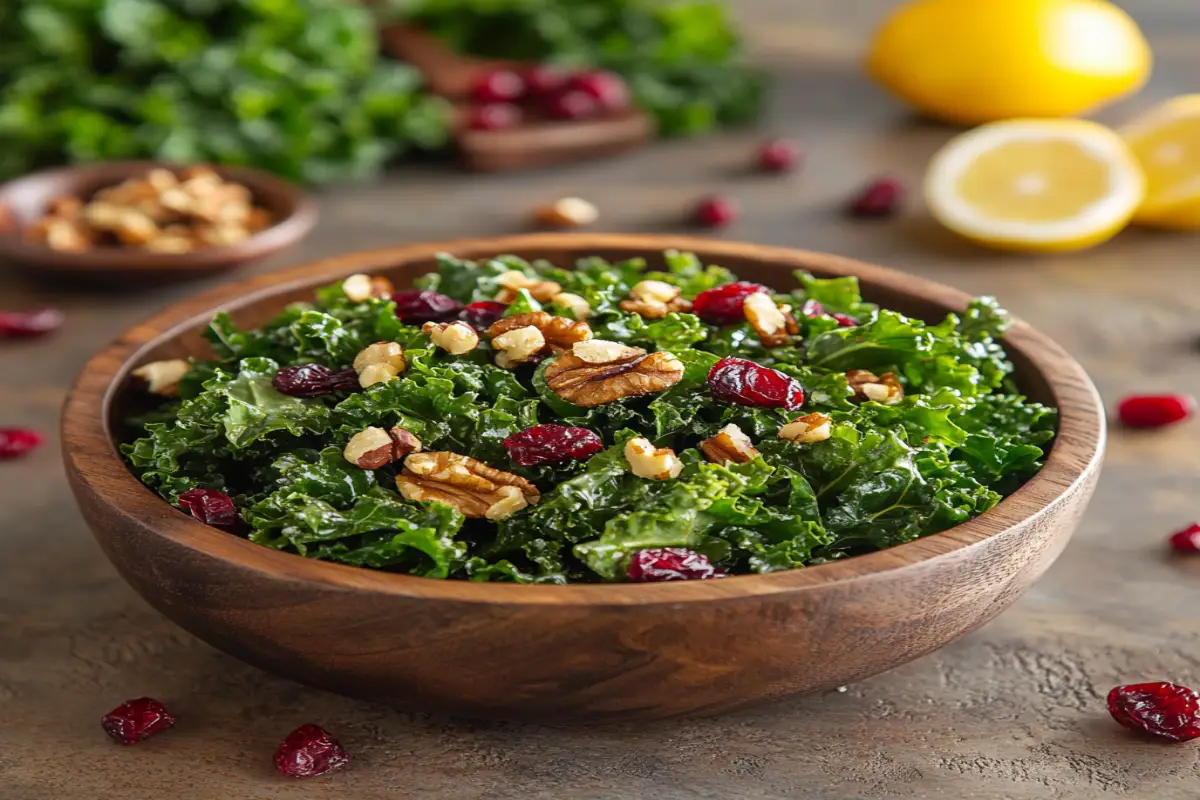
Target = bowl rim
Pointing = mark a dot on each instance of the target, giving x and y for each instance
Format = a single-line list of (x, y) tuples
[(96, 467), (298, 222)]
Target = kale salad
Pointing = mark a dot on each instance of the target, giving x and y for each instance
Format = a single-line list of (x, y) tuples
[(509, 420)]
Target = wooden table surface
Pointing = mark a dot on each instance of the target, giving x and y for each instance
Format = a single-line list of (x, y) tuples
[(1014, 710)]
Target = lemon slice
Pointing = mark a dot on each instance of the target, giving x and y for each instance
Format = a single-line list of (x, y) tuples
[(1166, 142), (1035, 185)]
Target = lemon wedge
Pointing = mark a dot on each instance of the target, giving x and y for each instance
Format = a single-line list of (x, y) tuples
[(1166, 143), (1035, 184)]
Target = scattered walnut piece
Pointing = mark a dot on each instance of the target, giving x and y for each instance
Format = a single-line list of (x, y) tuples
[(813, 427), (463, 483), (456, 338), (517, 346), (596, 372), (767, 319), (579, 306), (513, 281), (559, 333), (885, 388), (379, 363), (159, 212), (569, 212), (730, 444), (647, 462), (163, 377), (359, 288), (655, 299), (372, 448)]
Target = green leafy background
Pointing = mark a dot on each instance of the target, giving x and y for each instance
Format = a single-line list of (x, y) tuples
[(960, 440)]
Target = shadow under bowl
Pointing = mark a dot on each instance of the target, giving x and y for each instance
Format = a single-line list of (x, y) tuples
[(616, 652)]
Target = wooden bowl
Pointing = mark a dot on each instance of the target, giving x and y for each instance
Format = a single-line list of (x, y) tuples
[(24, 201), (580, 652)]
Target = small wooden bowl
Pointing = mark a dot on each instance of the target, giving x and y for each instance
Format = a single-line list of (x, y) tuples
[(24, 201), (582, 652)]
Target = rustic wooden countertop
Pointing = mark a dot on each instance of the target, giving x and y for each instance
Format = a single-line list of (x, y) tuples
[(1014, 710)]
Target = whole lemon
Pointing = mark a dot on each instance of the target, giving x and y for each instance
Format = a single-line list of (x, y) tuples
[(975, 61)]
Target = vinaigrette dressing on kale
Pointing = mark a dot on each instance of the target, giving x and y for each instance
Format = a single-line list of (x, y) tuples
[(729, 428)]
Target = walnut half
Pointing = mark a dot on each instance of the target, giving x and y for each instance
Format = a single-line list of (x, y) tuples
[(465, 484), (596, 372)]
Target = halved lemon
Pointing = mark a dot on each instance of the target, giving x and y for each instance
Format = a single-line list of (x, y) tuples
[(1166, 143), (1035, 184)]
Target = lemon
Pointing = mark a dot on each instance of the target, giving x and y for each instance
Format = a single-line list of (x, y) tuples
[(1035, 184), (1166, 142), (975, 61)]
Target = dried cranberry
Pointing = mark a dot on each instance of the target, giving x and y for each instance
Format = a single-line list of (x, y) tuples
[(607, 88), (1155, 410), (28, 324), (778, 155), (878, 199), (714, 212), (313, 380), (18, 442), (550, 444), (1159, 709), (136, 720), (722, 305), (418, 306), (499, 86), (1186, 540), (736, 380), (572, 104), (494, 117), (812, 308), (210, 507), (671, 564), (480, 315), (309, 751), (544, 80)]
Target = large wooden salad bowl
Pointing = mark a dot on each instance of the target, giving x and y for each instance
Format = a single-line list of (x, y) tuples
[(578, 652)]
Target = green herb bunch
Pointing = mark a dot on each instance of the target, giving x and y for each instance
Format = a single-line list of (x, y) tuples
[(293, 86), (682, 59), (960, 440)]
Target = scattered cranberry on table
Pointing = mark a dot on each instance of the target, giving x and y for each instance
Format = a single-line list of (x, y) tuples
[(714, 212), (18, 442), (1165, 710), (494, 117), (418, 306), (722, 305), (1186, 540), (671, 564), (778, 155), (1155, 410), (878, 199), (29, 324), (499, 86), (136, 720), (743, 382), (210, 507), (309, 751), (551, 444)]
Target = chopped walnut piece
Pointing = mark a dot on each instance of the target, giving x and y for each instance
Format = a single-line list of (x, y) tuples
[(163, 377), (767, 319), (518, 346), (647, 462), (372, 448), (559, 333), (885, 388), (729, 444), (456, 338), (569, 212), (579, 307), (513, 281), (596, 372), (652, 291), (813, 427), (465, 484), (359, 287), (379, 363)]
